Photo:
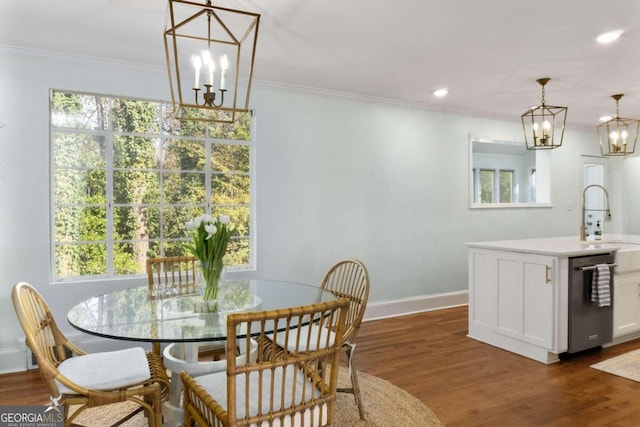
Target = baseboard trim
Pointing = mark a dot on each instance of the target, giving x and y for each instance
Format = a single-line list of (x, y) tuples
[(623, 338), (384, 309), (12, 359)]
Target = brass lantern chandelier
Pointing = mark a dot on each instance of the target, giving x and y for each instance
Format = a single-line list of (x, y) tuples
[(544, 125), (210, 54), (618, 136)]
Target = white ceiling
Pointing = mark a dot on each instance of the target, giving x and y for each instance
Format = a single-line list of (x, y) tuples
[(488, 53)]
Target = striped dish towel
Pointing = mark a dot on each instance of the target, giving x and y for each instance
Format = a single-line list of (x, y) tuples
[(601, 285)]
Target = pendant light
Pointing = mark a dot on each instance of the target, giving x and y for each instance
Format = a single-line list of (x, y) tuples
[(544, 125), (209, 51), (618, 136)]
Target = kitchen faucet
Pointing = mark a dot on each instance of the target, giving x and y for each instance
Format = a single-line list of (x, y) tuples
[(583, 228)]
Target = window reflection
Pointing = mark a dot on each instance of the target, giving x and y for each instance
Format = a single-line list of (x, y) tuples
[(505, 173)]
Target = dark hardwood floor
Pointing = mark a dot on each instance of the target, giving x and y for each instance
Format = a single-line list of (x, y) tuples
[(465, 382)]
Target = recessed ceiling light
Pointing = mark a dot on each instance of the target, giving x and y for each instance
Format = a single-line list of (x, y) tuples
[(441, 92), (605, 118), (609, 37)]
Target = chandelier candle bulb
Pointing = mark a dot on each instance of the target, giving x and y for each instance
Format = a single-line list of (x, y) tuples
[(206, 56), (211, 66), (224, 64), (197, 63)]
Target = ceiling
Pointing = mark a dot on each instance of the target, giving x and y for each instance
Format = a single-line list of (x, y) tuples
[(487, 53)]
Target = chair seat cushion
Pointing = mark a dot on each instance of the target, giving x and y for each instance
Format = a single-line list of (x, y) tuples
[(216, 386), (290, 343), (107, 370)]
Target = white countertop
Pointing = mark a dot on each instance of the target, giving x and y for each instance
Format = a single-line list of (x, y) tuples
[(564, 246)]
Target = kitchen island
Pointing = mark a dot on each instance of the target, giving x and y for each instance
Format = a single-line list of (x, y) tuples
[(519, 292)]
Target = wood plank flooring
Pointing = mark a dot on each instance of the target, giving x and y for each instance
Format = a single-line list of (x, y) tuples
[(465, 382)]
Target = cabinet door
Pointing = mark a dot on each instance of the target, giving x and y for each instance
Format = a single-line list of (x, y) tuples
[(526, 298), (626, 304)]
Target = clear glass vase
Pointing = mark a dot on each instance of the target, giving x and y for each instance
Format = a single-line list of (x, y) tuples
[(209, 279)]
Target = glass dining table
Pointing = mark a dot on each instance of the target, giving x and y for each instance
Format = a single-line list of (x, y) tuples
[(132, 314)]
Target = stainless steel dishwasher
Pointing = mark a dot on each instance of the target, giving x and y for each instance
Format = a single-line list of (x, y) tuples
[(589, 325)]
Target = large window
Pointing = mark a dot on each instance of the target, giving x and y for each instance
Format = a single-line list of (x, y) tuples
[(126, 177)]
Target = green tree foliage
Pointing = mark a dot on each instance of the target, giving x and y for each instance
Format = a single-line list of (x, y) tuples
[(487, 177), (158, 179), (134, 182), (506, 186)]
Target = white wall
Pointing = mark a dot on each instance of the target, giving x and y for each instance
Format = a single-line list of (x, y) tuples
[(336, 177)]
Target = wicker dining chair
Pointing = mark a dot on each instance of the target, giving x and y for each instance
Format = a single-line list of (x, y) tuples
[(349, 279), (173, 276), (74, 377), (290, 387)]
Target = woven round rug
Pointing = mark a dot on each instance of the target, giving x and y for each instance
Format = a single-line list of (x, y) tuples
[(384, 403)]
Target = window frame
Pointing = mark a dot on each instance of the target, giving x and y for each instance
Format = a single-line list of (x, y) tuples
[(110, 135), (496, 178)]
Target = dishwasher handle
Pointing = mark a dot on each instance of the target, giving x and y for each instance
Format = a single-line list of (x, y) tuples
[(593, 267)]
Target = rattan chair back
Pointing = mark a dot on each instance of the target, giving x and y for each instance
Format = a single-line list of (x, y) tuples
[(171, 276), (349, 279), (50, 348), (253, 394)]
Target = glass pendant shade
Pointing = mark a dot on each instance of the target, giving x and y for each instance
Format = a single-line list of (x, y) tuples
[(210, 54), (544, 125), (618, 136)]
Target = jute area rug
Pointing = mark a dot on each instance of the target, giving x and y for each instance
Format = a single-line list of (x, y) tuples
[(385, 405), (626, 365)]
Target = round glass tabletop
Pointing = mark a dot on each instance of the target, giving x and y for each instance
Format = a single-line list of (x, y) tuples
[(129, 314)]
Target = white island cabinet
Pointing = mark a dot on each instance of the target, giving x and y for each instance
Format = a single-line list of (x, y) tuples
[(626, 298), (518, 292)]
